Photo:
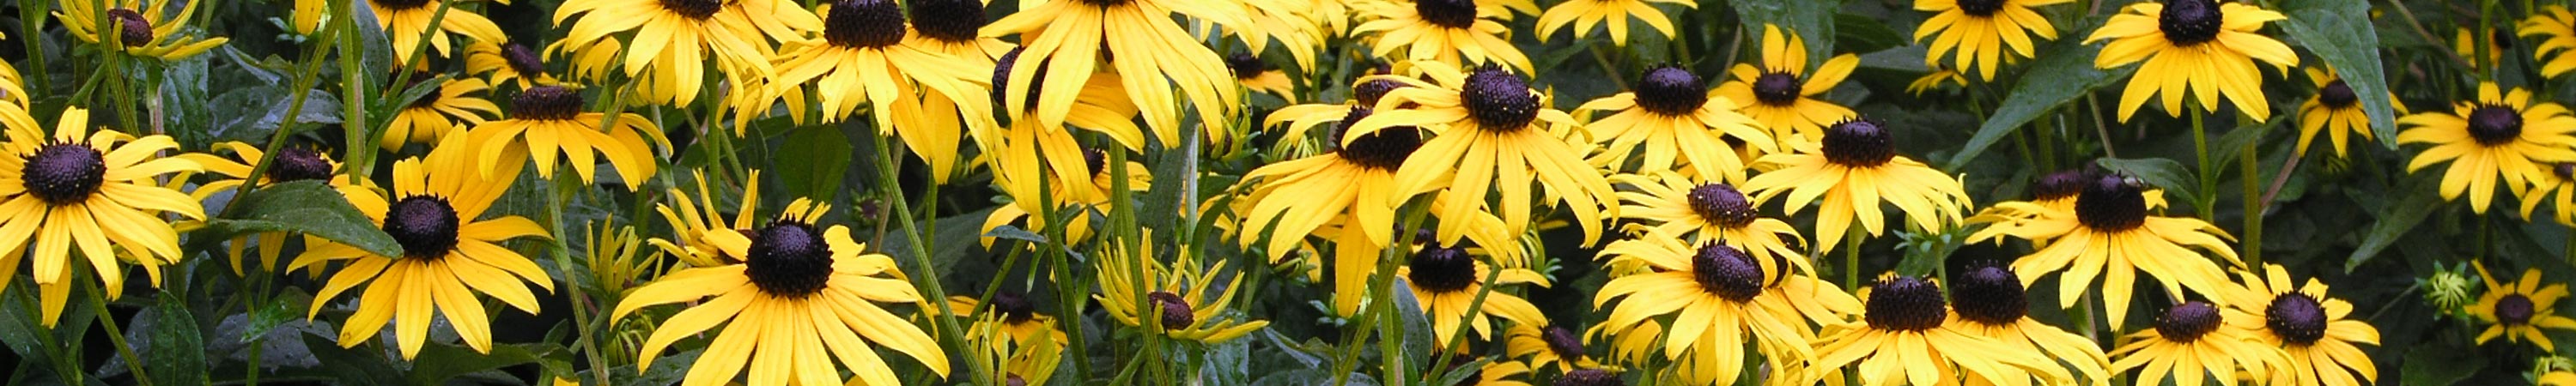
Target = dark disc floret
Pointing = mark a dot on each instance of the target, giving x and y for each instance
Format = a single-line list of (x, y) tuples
[(1002, 78), (1014, 380), (2336, 94), (2189, 22), (2503, 39), (132, 28), (1776, 88), (948, 20), (405, 4), (64, 172), (1369, 92), (1176, 310), (694, 9), (1589, 377), (789, 259), (298, 164), (1245, 65), (2494, 125), (523, 60), (2514, 310), (2296, 317), (1991, 295), (1565, 343), (1981, 7), (863, 24), (2063, 184), (1905, 303), (1671, 91), (2112, 203), (1859, 143), (1384, 149), (1095, 160), (2188, 321), (1443, 269), (1721, 205), (1454, 14), (551, 103), (1498, 99), (2566, 171), (1106, 3), (424, 225), (1726, 272), (1013, 307)]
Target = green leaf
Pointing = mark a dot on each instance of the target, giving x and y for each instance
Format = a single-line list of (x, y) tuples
[(286, 306), (2339, 31), (2439, 367), (1310, 377), (439, 361), (1417, 328), (812, 161), (1864, 34), (2063, 73), (1810, 19), (666, 370), (2394, 222), (307, 207), (2166, 174), (175, 353)]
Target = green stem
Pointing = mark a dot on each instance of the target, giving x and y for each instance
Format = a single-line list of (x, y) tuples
[(2253, 176), (64, 357), (928, 278), (31, 24), (1413, 213), (1851, 259), (353, 96), (1122, 235), (1475, 309), (116, 336), (564, 187), (304, 79), (2208, 180), (1069, 286), (2485, 40)]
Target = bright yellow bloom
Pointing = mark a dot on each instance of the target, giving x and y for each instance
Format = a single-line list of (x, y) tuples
[(1910, 337), (548, 121), (2501, 134), (2315, 331), (1677, 121), (673, 39), (2194, 342), (91, 192), (2556, 28), (1665, 204), (137, 28), (867, 57), (1721, 300), (1179, 299), (451, 253), (1492, 134), (2519, 309), (695, 223), (2196, 45), (1140, 42), (1854, 169), (1444, 280), (1975, 33), (2335, 111), (2111, 231), (1614, 13), (1454, 33), (508, 63), (288, 165), (1781, 93), (455, 105), (405, 20)]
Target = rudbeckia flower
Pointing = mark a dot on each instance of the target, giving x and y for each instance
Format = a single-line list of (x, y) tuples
[(451, 254), (1454, 33), (1990, 300), (2501, 134), (1548, 345), (1669, 205), (1340, 194), (1781, 93), (1292, 23), (674, 38), (1257, 76), (1854, 169), (1445, 280), (868, 57), (1613, 13), (2559, 188), (2556, 28), (803, 297), (1909, 336), (1028, 155), (1294, 121), (508, 63), (1013, 319), (2335, 111), (1079, 200), (290, 164), (2465, 44), (548, 121), (694, 222), (2315, 332), (94, 192), (2199, 46), (406, 20), (135, 27), (2112, 232), (1721, 299), (955, 27), (2519, 309), (456, 104), (1491, 134), (1934, 78), (2193, 343), (1181, 299), (1975, 33), (1677, 121), (1140, 42)]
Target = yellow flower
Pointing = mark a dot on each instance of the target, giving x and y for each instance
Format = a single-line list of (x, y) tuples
[(868, 57), (1257, 76), (1454, 33), (1176, 297), (1013, 321), (2196, 45), (1780, 92), (1445, 279), (1991, 300), (1975, 33), (2335, 110), (288, 165), (1140, 41), (802, 297), (508, 63), (1545, 345), (1677, 121), (1491, 134), (1293, 23), (2194, 342), (92, 191), (454, 105), (136, 28), (1721, 299), (1854, 168), (2314, 331), (1078, 200), (2498, 41), (2557, 29), (451, 253), (674, 38), (1586, 13), (2500, 134), (1029, 157), (1911, 337), (2111, 231), (2519, 309), (406, 20), (695, 223), (548, 120), (1669, 205), (1933, 79), (1341, 195)]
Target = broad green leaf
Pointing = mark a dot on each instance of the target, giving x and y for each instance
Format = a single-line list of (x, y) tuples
[(2394, 221), (439, 362), (2063, 73), (1864, 34), (1812, 20), (812, 161), (954, 237), (286, 306), (306, 207), (2165, 174), (2439, 367), (1417, 329), (175, 352), (2340, 32)]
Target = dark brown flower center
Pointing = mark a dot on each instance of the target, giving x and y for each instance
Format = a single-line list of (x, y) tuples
[(2063, 184), (2187, 322), (1563, 342), (1497, 99), (1384, 149), (1014, 380), (2495, 125), (2564, 170), (424, 225), (864, 24), (1671, 91), (1589, 377), (1726, 272), (1904, 303), (789, 259), (405, 4), (2336, 94), (1443, 269), (132, 28), (694, 9), (1095, 161), (1106, 3), (1014, 309), (1369, 92), (2112, 203), (1453, 14), (523, 60), (1858, 143), (2514, 310), (1981, 7), (2190, 22), (1245, 65), (1002, 78), (1990, 295), (1176, 311), (948, 20), (64, 173), (2296, 317), (1721, 205), (1776, 88), (298, 164), (553, 103)]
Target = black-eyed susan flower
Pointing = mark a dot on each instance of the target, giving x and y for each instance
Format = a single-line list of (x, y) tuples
[(955, 27), (136, 27), (1546, 345), (91, 192), (1341, 194), (1180, 299), (2501, 134), (407, 20), (508, 63), (2519, 309), (1013, 318), (1909, 336), (451, 254), (1781, 92), (1614, 14), (456, 104), (1292, 23), (2335, 111), (290, 164), (1976, 33), (1032, 364), (693, 223), (802, 297), (2112, 233), (2314, 332), (1139, 41), (1854, 169), (1028, 155), (1455, 33), (868, 57), (1492, 134), (1694, 212), (1721, 299), (1934, 79), (2464, 43), (2558, 188), (2194, 342), (1295, 121), (548, 121), (673, 39), (1673, 121), (1257, 76), (1445, 280), (2556, 28), (1078, 198), (1990, 300), (2200, 46)]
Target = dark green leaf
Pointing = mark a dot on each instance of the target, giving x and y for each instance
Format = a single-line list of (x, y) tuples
[(955, 236), (174, 352), (2439, 367), (2063, 73), (351, 366), (2394, 221), (1864, 34), (439, 362), (287, 306), (1812, 20), (1417, 328), (1013, 232), (307, 207), (812, 161), (666, 370), (2340, 32), (1310, 377), (2166, 174), (184, 101)]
